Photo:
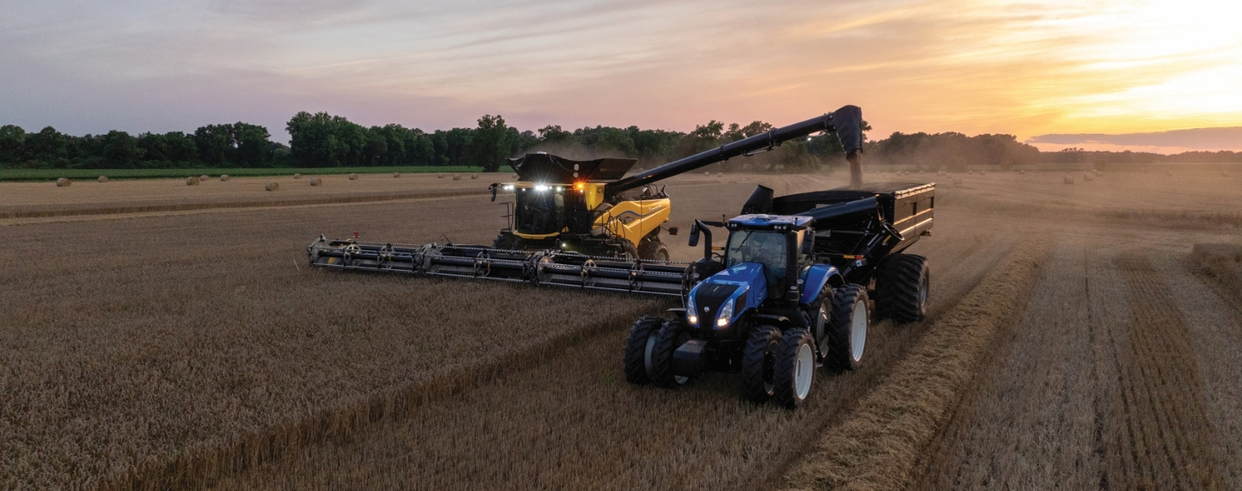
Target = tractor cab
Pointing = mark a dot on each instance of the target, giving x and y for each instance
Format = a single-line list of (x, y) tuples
[(780, 245)]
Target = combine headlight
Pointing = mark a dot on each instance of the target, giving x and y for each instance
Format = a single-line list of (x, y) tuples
[(507, 187), (692, 312), (726, 314), (542, 187)]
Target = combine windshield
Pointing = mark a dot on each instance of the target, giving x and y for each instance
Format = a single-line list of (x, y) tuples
[(758, 246), (539, 211)]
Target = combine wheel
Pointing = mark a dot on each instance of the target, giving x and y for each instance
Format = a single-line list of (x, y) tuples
[(847, 335), (794, 370), (652, 248), (638, 349), (665, 341), (758, 358), (901, 288)]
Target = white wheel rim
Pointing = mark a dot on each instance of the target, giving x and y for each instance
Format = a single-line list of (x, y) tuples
[(858, 331), (804, 370)]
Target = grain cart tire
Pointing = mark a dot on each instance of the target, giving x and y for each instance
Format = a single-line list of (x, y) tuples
[(794, 370), (758, 358), (653, 249), (901, 288), (665, 341), (638, 348), (847, 336)]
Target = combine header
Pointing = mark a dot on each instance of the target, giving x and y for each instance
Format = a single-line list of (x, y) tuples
[(574, 224)]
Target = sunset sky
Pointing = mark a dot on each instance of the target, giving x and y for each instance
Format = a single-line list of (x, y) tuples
[(1023, 68)]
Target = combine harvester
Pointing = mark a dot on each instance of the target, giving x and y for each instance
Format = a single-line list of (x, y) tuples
[(572, 223)]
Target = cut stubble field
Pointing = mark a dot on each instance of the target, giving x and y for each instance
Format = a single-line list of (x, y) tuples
[(191, 347)]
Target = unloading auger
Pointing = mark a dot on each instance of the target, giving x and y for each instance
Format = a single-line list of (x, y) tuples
[(573, 226)]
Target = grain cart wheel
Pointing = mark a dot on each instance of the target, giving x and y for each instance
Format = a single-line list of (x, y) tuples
[(638, 349), (847, 336), (901, 288), (794, 370), (758, 358), (665, 341)]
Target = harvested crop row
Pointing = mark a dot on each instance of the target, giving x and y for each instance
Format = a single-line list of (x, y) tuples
[(877, 447), (1157, 431), (1221, 262)]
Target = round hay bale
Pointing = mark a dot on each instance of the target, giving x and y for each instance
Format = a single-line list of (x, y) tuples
[(456, 177), (719, 174), (1022, 172), (297, 176), (191, 181), (1224, 174), (940, 173), (1069, 179), (707, 173), (439, 176), (271, 186), (103, 178), (1170, 173), (315, 181), (957, 181), (396, 175), (474, 176), (204, 177), (353, 177), (224, 177), (63, 182), (1086, 178)]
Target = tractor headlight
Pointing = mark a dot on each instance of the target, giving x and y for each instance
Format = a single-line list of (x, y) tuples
[(692, 313), (726, 314)]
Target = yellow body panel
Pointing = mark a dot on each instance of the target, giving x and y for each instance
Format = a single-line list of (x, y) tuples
[(631, 220)]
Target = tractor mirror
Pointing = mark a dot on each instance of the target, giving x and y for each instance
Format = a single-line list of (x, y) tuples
[(694, 236), (672, 230)]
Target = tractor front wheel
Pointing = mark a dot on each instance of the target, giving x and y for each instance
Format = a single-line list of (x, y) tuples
[(665, 341), (758, 360), (794, 370), (638, 349)]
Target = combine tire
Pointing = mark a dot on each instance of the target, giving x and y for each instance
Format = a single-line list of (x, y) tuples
[(847, 335), (653, 249), (901, 288), (758, 358), (666, 340), (638, 349), (794, 370)]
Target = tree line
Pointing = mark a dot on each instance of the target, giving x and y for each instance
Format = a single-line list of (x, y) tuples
[(324, 140)]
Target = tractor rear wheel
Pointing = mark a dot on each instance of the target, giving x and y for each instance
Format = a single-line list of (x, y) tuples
[(652, 248), (638, 349), (794, 370), (758, 359), (665, 341), (847, 335), (901, 288)]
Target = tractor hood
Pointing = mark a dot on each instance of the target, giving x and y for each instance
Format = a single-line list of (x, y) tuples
[(745, 284), (550, 169)]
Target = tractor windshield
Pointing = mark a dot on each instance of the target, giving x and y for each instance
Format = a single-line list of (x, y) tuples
[(539, 211), (758, 246)]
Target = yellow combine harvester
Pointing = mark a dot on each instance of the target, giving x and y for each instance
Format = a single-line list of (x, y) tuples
[(579, 206)]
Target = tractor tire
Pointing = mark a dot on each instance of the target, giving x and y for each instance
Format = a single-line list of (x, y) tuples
[(638, 349), (847, 335), (758, 358), (901, 288), (653, 249), (794, 370), (670, 336)]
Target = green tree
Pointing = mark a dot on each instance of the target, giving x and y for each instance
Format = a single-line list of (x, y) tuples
[(490, 143), (48, 146), (120, 150), (12, 143)]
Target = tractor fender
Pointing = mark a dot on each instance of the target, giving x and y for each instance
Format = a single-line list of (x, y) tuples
[(773, 320), (814, 280)]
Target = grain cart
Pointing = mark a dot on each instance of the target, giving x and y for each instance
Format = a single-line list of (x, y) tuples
[(790, 290), (578, 223)]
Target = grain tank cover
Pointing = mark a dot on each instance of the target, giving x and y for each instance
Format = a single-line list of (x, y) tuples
[(548, 168)]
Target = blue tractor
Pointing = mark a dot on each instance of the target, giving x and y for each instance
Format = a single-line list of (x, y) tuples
[(791, 290)]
